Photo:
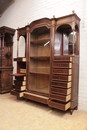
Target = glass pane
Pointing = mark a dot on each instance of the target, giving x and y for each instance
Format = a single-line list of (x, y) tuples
[(58, 44), (71, 36), (65, 44), (40, 60)]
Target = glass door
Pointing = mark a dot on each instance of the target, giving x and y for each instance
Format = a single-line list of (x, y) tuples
[(39, 68)]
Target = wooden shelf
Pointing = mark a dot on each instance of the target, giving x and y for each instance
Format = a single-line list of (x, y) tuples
[(18, 74), (20, 59), (39, 73), (40, 41), (40, 57)]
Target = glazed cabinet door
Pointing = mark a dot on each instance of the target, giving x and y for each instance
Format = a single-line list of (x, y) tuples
[(39, 60)]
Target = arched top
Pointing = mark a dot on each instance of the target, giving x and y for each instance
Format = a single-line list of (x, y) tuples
[(40, 23), (64, 28), (22, 35), (21, 32), (40, 31)]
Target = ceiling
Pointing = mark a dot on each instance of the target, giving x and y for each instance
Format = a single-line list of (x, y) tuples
[(4, 4)]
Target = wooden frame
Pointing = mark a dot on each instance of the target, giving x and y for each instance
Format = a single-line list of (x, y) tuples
[(59, 63)]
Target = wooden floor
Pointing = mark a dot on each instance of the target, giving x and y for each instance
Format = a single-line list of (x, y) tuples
[(27, 115)]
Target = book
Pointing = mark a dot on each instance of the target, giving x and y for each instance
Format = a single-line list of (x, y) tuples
[(20, 59), (63, 58), (62, 77), (62, 71), (19, 83), (21, 88), (22, 70), (61, 84), (62, 65), (18, 94)]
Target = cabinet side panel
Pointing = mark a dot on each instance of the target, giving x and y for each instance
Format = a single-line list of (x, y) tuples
[(75, 82), (6, 80)]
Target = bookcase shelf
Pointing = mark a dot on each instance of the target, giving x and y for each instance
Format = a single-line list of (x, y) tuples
[(19, 85), (39, 73), (18, 74), (40, 42), (40, 57)]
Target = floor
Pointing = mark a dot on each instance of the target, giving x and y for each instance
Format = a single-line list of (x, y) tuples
[(27, 115)]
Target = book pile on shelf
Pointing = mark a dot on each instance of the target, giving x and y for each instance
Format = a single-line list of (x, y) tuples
[(19, 85)]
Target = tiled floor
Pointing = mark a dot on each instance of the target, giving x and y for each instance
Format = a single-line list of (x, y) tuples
[(27, 115)]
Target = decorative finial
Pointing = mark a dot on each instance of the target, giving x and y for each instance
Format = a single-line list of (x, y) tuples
[(73, 12)]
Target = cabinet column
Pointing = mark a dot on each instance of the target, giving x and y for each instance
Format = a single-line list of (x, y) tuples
[(27, 59), (52, 49), (73, 42), (17, 43), (0, 42)]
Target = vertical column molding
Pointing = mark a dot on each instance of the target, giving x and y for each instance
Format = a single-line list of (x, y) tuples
[(27, 57), (17, 42)]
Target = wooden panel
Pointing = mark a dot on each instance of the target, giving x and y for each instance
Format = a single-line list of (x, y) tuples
[(6, 80), (61, 84), (35, 97), (40, 50), (58, 105), (38, 66), (61, 98), (63, 58), (61, 78), (56, 64), (62, 71), (62, 91), (75, 83)]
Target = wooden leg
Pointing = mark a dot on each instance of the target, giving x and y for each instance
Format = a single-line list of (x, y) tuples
[(76, 108), (71, 111)]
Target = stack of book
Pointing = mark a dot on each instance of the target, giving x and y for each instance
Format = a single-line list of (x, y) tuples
[(19, 85)]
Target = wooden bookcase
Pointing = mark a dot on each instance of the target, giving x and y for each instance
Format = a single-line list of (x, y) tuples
[(52, 61), (6, 58)]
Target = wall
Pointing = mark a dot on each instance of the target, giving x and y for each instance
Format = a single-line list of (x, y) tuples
[(22, 12)]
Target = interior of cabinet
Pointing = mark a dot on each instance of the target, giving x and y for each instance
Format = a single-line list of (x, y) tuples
[(39, 69), (65, 40)]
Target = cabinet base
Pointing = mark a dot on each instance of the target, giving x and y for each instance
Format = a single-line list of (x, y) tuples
[(5, 91)]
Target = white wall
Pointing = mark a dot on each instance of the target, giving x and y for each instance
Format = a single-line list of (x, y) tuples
[(22, 12)]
